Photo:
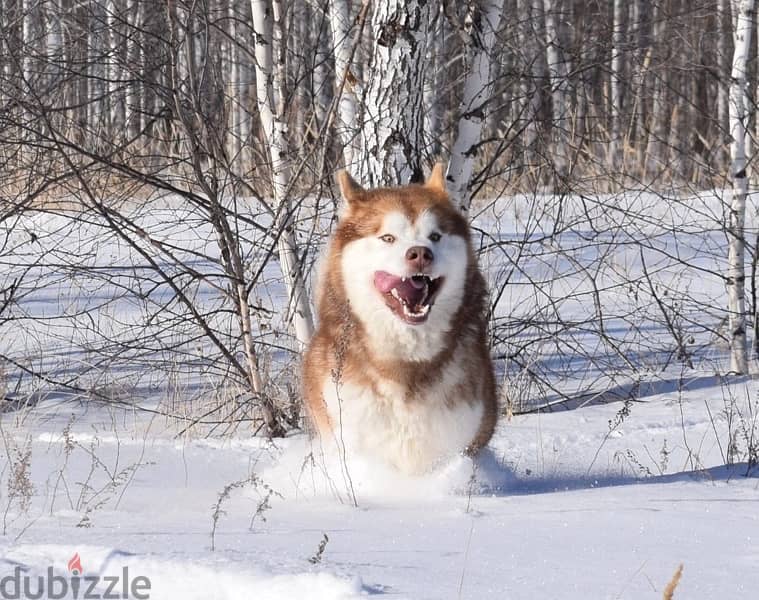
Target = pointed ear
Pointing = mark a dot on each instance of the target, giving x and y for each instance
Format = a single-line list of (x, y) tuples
[(436, 180), (350, 190)]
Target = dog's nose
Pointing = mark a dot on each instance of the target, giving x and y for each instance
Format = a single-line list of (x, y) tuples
[(419, 257)]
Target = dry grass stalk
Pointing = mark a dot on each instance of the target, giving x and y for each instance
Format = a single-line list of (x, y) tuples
[(669, 591)]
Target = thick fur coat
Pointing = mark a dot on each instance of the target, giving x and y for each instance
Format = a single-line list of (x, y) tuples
[(399, 369)]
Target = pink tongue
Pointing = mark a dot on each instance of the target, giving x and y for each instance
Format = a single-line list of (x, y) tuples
[(385, 282), (412, 291)]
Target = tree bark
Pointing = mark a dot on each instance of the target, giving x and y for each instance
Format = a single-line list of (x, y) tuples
[(723, 87), (134, 60), (271, 100), (347, 126), (744, 18), (616, 86), (392, 139), (559, 76), (483, 20)]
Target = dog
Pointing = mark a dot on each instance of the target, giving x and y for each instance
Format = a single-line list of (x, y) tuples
[(399, 368)]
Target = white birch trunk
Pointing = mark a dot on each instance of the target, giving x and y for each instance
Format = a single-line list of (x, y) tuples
[(744, 18), (97, 48), (655, 156), (346, 124), (270, 80), (134, 58), (234, 142), (111, 100), (616, 86), (27, 51), (558, 72), (5, 53), (723, 89), (392, 137), (27, 42), (477, 90), (54, 28)]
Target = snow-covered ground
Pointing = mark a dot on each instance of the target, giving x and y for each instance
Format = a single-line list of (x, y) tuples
[(600, 498), (562, 507)]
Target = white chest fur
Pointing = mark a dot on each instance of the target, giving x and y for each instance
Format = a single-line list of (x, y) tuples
[(411, 434)]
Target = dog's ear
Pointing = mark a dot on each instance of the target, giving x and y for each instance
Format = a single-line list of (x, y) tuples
[(349, 188), (436, 180)]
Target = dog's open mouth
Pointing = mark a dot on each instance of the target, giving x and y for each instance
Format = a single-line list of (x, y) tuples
[(410, 298)]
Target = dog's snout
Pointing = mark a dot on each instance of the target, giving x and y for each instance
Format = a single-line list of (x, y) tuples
[(419, 257)]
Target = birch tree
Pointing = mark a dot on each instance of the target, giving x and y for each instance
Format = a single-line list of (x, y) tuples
[(657, 125), (558, 71), (28, 37), (206, 131), (346, 83), (134, 55), (743, 11), (392, 123), (268, 22), (480, 26), (582, 90), (616, 85), (723, 56)]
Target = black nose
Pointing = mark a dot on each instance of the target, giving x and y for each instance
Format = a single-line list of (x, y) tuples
[(419, 257)]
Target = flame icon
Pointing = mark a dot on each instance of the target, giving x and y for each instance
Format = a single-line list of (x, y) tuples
[(75, 564)]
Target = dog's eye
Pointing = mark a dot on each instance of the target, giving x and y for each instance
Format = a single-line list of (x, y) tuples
[(387, 238), (435, 237)]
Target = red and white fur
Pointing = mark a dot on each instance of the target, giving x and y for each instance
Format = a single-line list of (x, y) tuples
[(399, 370)]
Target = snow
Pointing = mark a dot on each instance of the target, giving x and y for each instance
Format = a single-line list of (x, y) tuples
[(185, 579), (600, 498), (535, 517)]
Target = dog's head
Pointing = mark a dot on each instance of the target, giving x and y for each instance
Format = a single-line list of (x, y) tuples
[(404, 256)]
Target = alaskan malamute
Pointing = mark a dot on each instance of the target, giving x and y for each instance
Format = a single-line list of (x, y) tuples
[(399, 369)]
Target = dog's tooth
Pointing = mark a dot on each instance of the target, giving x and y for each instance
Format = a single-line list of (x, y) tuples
[(416, 313)]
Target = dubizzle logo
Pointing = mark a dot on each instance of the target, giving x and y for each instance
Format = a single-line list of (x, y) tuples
[(75, 565), (77, 585)]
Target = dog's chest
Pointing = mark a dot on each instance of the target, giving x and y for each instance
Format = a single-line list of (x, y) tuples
[(411, 432)]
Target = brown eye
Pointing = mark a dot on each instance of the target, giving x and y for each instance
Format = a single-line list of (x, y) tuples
[(435, 237), (387, 238)]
